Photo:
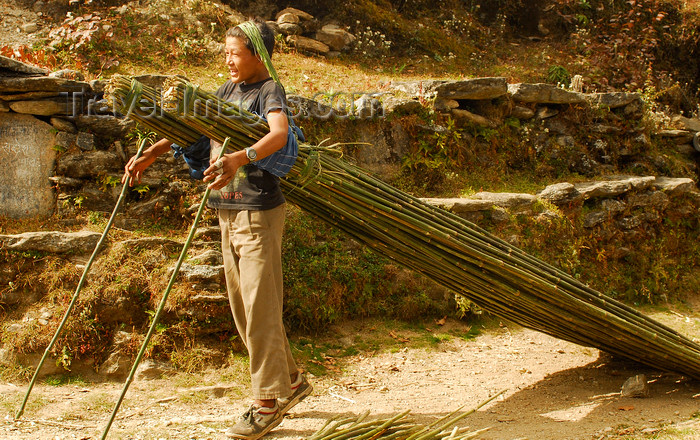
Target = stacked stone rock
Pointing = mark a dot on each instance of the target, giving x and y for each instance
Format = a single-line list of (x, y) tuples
[(42, 114), (61, 148), (306, 33)]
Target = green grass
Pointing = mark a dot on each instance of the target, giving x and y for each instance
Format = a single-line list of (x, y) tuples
[(57, 380), (10, 402), (328, 352), (93, 403)]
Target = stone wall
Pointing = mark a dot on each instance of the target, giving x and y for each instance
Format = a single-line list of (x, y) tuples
[(61, 149), (43, 114)]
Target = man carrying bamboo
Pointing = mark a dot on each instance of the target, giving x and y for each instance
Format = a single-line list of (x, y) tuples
[(251, 216)]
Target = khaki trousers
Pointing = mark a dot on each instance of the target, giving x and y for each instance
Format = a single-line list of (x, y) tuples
[(251, 243)]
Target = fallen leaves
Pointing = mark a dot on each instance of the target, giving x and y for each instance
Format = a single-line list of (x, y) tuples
[(329, 363), (398, 338)]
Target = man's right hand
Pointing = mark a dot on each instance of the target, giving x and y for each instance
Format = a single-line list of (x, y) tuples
[(135, 167)]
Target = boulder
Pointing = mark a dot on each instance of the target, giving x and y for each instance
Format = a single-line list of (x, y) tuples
[(210, 257), (200, 273), (459, 205), (52, 241), (512, 201), (41, 83), (594, 218), (657, 200), (391, 104), (98, 85), (675, 185), (43, 107), (426, 89), (290, 29), (92, 197), (89, 164), (150, 369), (65, 140), (66, 182), (604, 129), (85, 141), (612, 100), (335, 37), (61, 124), (68, 74), (559, 193), (29, 96), (367, 106), (150, 243), (27, 159), (545, 112), (310, 27), (117, 366), (613, 188), (474, 89), (465, 116), (521, 112), (691, 124), (544, 94), (29, 28), (613, 206), (678, 136), (150, 206), (12, 67), (631, 222), (445, 105), (288, 18), (301, 15), (105, 125), (635, 386), (208, 233), (305, 44)]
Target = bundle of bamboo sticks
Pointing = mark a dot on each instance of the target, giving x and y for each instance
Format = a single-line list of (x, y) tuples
[(399, 427), (461, 256)]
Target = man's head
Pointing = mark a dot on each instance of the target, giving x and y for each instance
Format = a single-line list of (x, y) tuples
[(267, 34), (242, 60)]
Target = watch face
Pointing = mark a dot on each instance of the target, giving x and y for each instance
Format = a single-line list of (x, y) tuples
[(251, 153)]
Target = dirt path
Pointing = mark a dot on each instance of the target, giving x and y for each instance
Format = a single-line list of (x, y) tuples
[(555, 390), (15, 27)]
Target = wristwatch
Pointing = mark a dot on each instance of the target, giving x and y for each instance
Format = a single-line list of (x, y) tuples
[(251, 154)]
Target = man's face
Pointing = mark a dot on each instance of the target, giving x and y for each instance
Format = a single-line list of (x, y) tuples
[(243, 66)]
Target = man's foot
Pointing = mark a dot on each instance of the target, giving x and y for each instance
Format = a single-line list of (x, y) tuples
[(300, 389), (256, 422)]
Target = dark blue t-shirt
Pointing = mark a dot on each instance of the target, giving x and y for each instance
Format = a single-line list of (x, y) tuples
[(252, 188)]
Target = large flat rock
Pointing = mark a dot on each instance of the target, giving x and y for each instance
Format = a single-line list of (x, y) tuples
[(10, 67), (52, 241), (473, 89), (26, 163), (41, 83), (613, 188), (544, 94)]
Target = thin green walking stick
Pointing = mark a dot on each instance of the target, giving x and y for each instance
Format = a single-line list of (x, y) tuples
[(80, 284), (183, 254)]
